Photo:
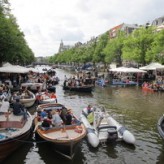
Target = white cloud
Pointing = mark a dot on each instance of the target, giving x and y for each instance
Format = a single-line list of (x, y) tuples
[(46, 22)]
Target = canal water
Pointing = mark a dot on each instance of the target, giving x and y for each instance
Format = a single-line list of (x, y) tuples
[(139, 111)]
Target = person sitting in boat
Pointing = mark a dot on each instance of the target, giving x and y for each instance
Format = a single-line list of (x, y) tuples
[(38, 97), (63, 114), (90, 117), (18, 109), (53, 96), (56, 119), (46, 123), (69, 117), (26, 94), (86, 111), (89, 109), (43, 114)]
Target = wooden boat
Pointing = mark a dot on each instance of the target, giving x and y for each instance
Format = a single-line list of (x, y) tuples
[(63, 139), (160, 126), (84, 88), (14, 131)]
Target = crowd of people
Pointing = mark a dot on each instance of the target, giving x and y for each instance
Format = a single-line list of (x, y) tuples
[(55, 118), (79, 80)]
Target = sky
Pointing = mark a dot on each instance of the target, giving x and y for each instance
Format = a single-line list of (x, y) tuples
[(46, 22)]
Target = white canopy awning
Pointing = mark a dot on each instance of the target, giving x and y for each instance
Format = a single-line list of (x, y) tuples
[(152, 66), (127, 70), (9, 68)]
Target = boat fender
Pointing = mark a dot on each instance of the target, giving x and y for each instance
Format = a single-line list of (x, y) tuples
[(121, 130)]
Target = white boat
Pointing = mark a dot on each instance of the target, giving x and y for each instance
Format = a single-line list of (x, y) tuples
[(34, 87), (26, 101), (105, 128), (44, 98)]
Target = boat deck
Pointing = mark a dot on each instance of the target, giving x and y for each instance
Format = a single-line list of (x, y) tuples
[(63, 133), (13, 125)]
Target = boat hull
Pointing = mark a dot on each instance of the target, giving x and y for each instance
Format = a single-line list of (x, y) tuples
[(88, 89), (123, 133), (160, 126), (9, 146), (92, 137)]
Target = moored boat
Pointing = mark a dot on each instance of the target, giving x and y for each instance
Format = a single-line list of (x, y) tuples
[(104, 128), (84, 88), (45, 97), (14, 131), (64, 139), (34, 87), (27, 100), (160, 126)]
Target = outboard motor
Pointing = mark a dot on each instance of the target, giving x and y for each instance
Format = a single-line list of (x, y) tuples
[(112, 133)]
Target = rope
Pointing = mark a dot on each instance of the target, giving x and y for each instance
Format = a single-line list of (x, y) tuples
[(24, 141)]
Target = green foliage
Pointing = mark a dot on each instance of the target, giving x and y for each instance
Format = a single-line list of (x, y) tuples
[(113, 50), (156, 53), (13, 47), (138, 44), (99, 55), (143, 45)]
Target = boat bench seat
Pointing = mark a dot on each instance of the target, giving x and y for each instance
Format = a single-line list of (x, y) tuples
[(12, 121)]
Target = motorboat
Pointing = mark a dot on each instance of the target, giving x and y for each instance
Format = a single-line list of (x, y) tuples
[(84, 88), (160, 126), (33, 86), (14, 131), (27, 100), (104, 128), (46, 97), (63, 139)]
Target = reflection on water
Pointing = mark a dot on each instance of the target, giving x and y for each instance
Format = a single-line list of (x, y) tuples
[(137, 110)]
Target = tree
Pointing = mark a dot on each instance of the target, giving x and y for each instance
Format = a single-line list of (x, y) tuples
[(137, 44), (13, 46), (113, 50), (156, 53), (99, 55)]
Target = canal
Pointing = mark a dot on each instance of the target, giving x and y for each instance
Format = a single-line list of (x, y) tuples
[(137, 110)]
